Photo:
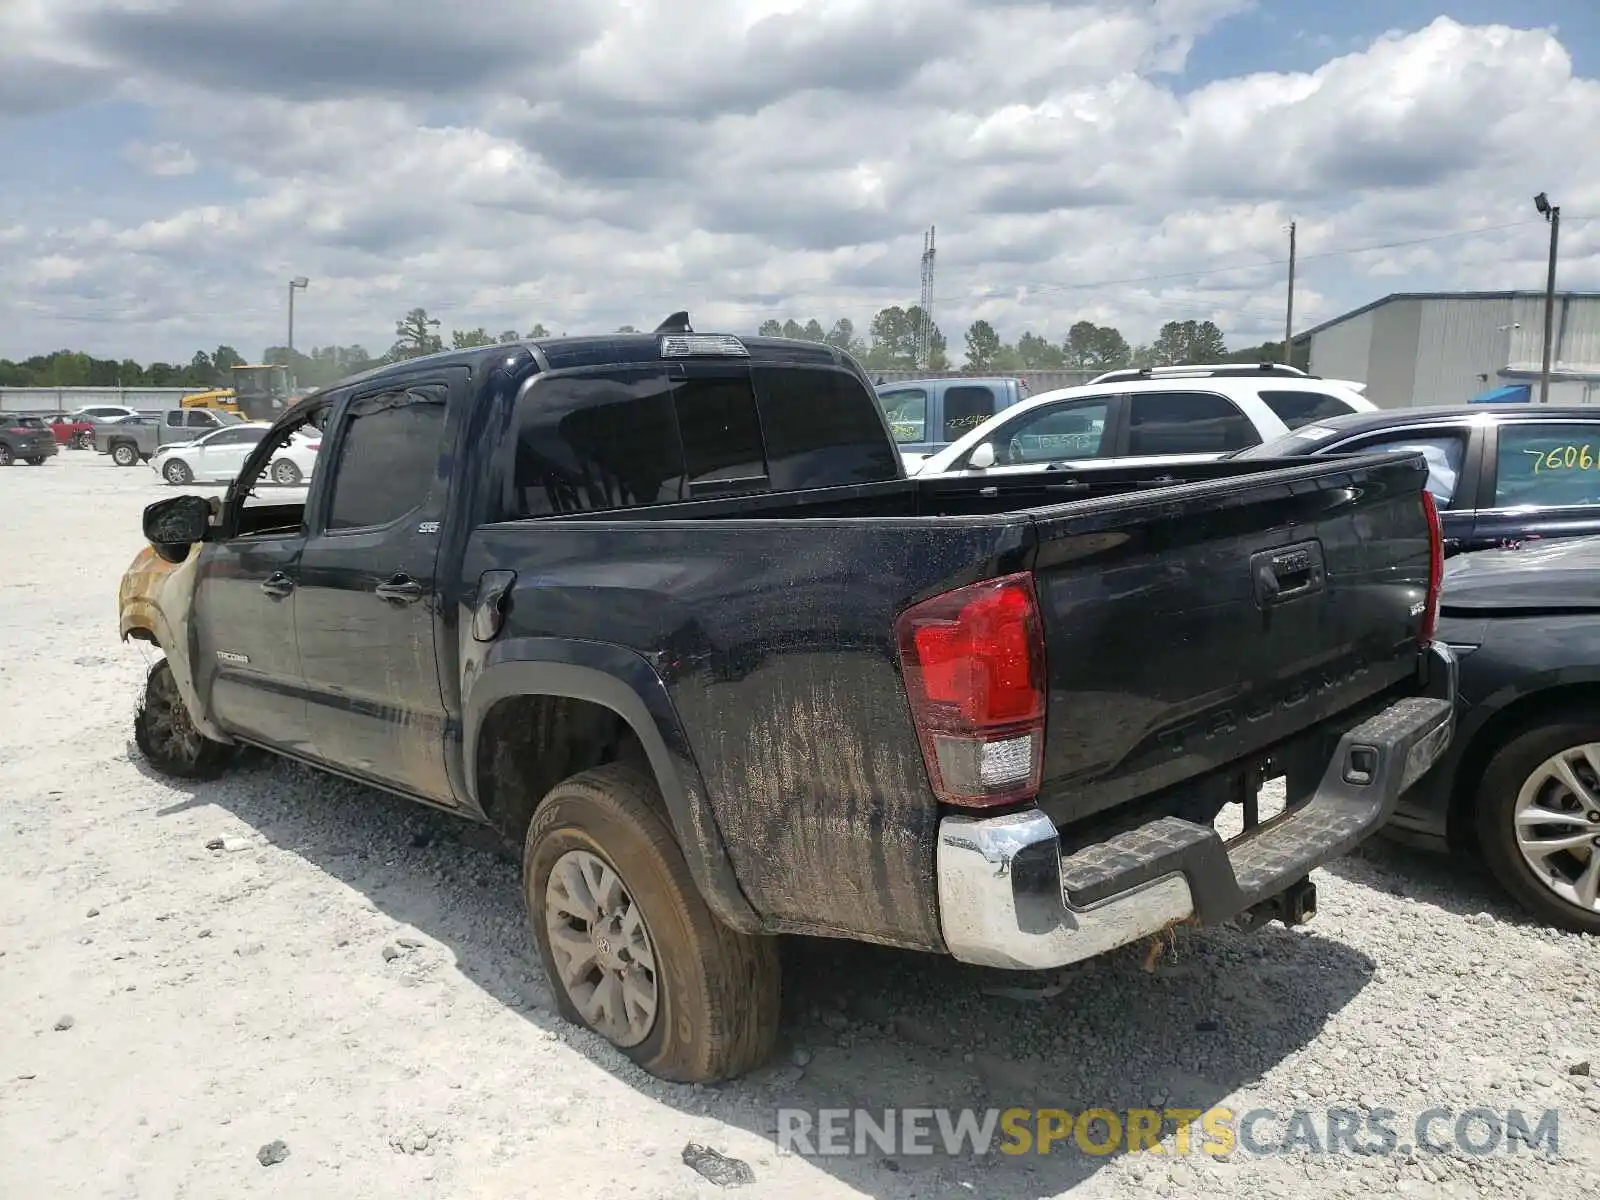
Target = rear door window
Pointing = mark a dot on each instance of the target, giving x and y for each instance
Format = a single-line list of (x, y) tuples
[(1297, 408), (1186, 423), (1444, 452), (966, 406), (597, 441), (1071, 429), (1555, 465), (907, 410), (388, 457)]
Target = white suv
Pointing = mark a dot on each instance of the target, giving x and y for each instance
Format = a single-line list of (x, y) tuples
[(1168, 414)]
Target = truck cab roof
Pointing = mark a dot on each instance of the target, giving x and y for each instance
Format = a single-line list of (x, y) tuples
[(595, 350)]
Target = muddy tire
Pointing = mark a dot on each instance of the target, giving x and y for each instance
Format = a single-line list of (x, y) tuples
[(125, 454), (167, 737), (638, 957)]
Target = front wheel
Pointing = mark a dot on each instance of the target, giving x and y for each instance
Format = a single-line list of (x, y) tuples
[(1537, 820), (177, 472), (6, 456), (125, 454), (285, 473), (630, 947), (167, 737)]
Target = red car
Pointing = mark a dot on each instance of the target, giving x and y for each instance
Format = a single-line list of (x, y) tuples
[(74, 432)]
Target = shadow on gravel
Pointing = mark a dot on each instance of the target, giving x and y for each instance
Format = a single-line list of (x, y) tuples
[(864, 1027), (1456, 883)]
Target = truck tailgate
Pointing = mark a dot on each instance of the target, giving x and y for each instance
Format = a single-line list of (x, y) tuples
[(1192, 627)]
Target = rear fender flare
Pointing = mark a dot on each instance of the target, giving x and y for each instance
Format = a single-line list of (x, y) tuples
[(624, 682)]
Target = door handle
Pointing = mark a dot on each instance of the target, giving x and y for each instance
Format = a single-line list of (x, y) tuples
[(277, 585), (401, 589)]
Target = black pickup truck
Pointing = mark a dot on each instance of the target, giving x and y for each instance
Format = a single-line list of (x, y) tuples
[(664, 610)]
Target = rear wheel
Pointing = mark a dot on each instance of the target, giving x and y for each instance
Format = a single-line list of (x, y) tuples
[(285, 473), (35, 460), (125, 454), (630, 948), (177, 472), (6, 457), (167, 737), (1538, 820)]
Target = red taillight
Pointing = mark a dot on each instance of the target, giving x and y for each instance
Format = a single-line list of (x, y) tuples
[(313, 445), (973, 661), (1430, 614)]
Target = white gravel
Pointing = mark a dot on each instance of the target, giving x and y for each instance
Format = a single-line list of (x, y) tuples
[(349, 975)]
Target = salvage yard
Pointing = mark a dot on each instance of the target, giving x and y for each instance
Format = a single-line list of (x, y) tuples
[(192, 975)]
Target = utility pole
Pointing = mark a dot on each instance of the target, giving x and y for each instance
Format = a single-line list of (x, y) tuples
[(298, 283), (1288, 316), (1552, 214), (924, 331)]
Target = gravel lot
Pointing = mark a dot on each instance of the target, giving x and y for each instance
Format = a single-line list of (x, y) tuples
[(350, 974)]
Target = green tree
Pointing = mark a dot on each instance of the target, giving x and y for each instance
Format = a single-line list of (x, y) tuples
[(509, 335), (538, 331), (843, 337), (894, 339), (770, 328), (627, 329), (224, 359), (466, 339), (983, 346), (415, 336), (1095, 347), (1171, 346), (1035, 353)]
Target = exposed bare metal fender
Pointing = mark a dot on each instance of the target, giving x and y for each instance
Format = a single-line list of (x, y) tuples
[(155, 603)]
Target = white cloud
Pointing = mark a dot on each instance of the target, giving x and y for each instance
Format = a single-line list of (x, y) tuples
[(162, 158), (755, 158)]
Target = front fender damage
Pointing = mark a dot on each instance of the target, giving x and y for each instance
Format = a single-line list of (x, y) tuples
[(155, 603)]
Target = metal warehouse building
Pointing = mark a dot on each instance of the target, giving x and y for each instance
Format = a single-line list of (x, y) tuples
[(1416, 348)]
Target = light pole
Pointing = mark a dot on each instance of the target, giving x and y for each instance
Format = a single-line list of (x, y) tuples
[(298, 283), (1552, 214)]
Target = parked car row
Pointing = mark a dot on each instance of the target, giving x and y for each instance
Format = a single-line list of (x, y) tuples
[(217, 457), (1178, 413)]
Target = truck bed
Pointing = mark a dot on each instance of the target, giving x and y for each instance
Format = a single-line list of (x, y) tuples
[(770, 621)]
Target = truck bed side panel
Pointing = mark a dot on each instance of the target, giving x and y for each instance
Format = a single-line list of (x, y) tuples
[(775, 642)]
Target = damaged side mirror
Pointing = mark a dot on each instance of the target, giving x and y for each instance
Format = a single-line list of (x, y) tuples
[(173, 525)]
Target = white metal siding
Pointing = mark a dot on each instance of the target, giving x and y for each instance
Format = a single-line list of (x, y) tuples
[(68, 399), (1461, 346), (1341, 351)]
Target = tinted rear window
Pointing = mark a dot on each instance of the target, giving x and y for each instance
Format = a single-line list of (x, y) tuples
[(822, 428), (1186, 423), (634, 437), (596, 442), (1295, 409)]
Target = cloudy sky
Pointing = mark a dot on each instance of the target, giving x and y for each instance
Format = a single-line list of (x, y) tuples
[(590, 163)]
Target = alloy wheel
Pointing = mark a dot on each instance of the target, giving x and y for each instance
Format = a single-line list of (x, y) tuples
[(1557, 825), (602, 948)]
